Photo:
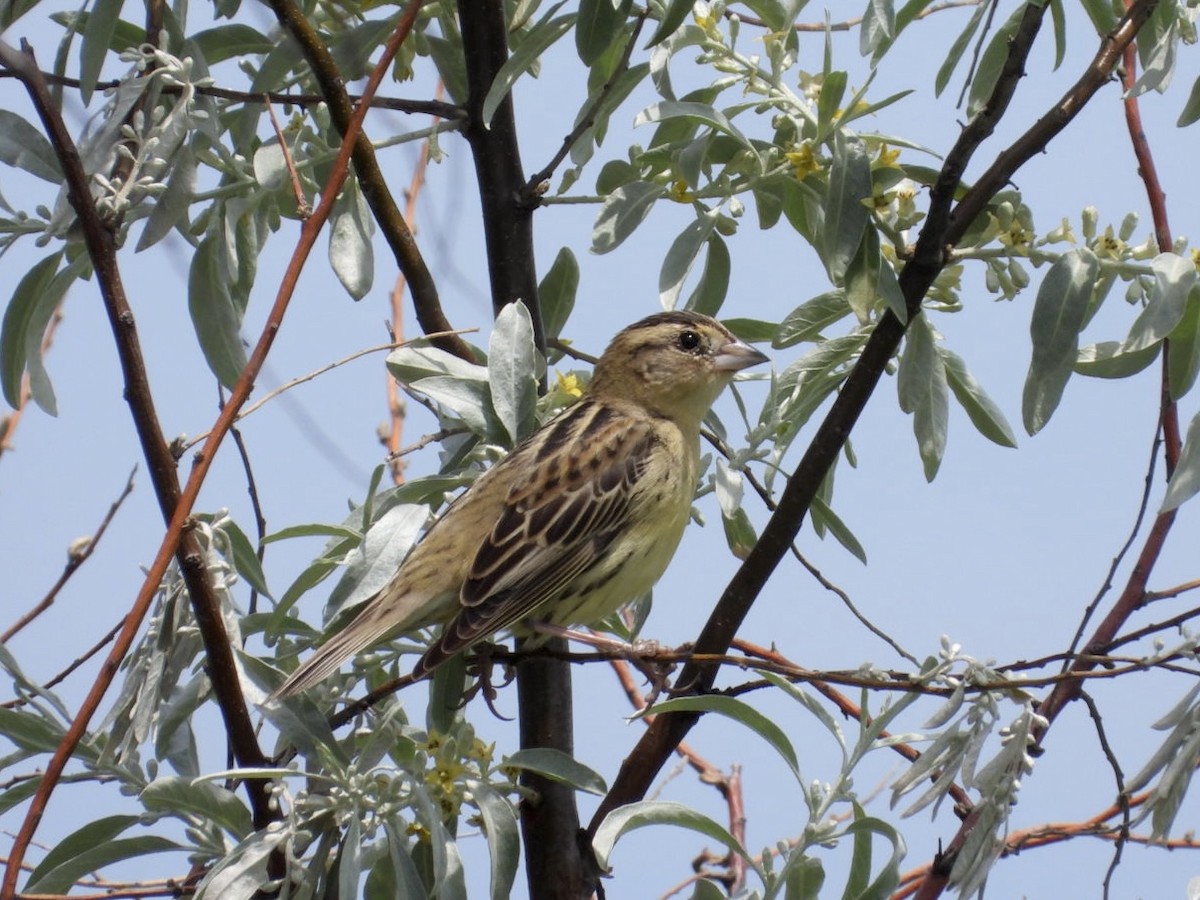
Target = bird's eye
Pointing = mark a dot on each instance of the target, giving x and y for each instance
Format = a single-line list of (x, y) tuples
[(689, 341)]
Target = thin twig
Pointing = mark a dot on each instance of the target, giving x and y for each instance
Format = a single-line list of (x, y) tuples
[(316, 373), (303, 208), (79, 553)]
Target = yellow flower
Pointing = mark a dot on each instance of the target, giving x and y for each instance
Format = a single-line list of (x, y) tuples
[(804, 162), (581, 518), (887, 156), (569, 384), (680, 192), (1109, 245)]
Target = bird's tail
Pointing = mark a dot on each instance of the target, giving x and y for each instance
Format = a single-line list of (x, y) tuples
[(369, 627)]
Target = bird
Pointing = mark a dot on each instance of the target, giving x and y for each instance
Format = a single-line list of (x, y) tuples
[(580, 519)]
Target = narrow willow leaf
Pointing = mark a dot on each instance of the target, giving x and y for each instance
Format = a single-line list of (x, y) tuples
[(597, 26), (503, 836), (824, 517), (19, 328), (713, 285), (512, 371), (693, 112), (682, 256), (739, 712), (558, 766), (878, 25), (829, 101), (557, 290), (172, 205), (96, 857), (1183, 362), (1174, 278), (807, 321), (983, 412), (23, 146), (845, 215), (215, 314), (1058, 314), (923, 390), (752, 331), (102, 22), (673, 16), (1111, 359), (182, 796), (535, 42), (350, 251), (991, 62), (956, 49), (245, 558), (227, 41), (623, 210), (632, 816), (1191, 109), (1185, 482)]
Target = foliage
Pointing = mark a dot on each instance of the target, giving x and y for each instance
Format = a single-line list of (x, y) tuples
[(736, 134)]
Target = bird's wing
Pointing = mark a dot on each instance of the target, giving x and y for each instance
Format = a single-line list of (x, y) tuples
[(557, 522)]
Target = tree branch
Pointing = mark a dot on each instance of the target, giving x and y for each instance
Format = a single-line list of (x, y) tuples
[(178, 535), (375, 191)]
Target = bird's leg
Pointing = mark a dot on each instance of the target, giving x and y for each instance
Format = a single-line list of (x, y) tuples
[(480, 668), (639, 653)]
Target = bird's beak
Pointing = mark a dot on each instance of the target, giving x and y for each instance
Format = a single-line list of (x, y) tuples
[(736, 355)]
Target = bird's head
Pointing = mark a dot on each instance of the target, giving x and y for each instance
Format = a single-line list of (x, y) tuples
[(673, 363)]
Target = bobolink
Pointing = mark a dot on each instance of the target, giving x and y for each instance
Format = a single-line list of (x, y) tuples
[(578, 520)]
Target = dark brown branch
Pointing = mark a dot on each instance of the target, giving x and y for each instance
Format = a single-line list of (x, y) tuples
[(507, 219), (944, 225), (101, 246), (178, 536), (447, 111), (536, 185), (375, 191)]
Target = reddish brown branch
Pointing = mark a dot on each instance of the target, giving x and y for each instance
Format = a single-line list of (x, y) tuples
[(103, 253)]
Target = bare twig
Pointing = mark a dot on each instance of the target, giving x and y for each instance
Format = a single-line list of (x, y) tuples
[(78, 555), (100, 245), (303, 209)]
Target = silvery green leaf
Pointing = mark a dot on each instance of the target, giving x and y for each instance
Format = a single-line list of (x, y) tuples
[(806, 321), (525, 56), (729, 489), (682, 256), (348, 862), (956, 50), (713, 284), (556, 765), (1174, 278), (632, 816), (983, 412), (102, 22), (557, 290), (923, 390), (1183, 364), (503, 835), (513, 371), (1191, 109), (378, 557), (1185, 481), (824, 517), (172, 205), (350, 252), (89, 849), (420, 359), (1111, 359), (23, 146), (215, 315), (184, 796), (845, 215), (621, 213), (692, 111), (597, 26), (20, 331), (674, 14), (239, 874), (991, 62), (1058, 315)]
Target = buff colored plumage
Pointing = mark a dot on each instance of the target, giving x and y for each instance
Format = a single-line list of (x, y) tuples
[(581, 518)]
